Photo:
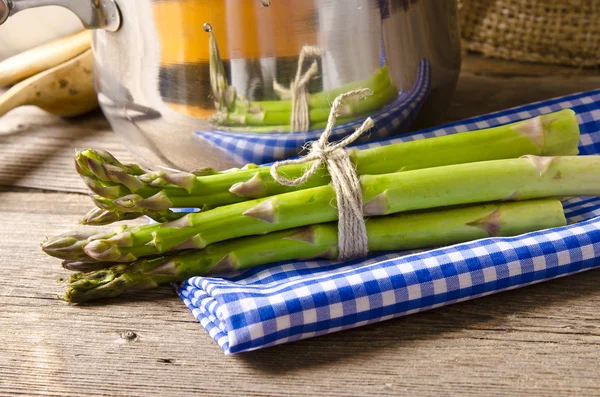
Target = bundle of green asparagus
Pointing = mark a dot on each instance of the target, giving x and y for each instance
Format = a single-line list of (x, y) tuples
[(496, 182), (123, 192)]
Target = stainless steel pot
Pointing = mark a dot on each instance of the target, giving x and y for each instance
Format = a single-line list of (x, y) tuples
[(154, 61)]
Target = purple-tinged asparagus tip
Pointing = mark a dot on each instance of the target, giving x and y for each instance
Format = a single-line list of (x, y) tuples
[(107, 157), (103, 251), (85, 267), (66, 246), (158, 182), (59, 242), (119, 175), (111, 192), (100, 217), (96, 168), (80, 165), (128, 202), (149, 177)]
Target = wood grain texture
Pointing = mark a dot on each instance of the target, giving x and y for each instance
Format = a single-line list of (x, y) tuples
[(540, 340), (36, 148)]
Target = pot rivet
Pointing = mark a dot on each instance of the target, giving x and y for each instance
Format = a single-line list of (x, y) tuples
[(207, 27), (265, 3)]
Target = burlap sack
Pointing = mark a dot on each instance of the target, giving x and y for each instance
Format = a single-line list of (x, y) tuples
[(547, 31)]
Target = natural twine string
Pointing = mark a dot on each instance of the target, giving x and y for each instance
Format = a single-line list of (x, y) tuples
[(300, 116), (352, 232)]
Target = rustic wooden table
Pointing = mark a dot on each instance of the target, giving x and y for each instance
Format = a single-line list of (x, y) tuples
[(540, 340)]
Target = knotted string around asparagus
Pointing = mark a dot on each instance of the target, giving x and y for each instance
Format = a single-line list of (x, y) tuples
[(352, 232), (300, 119)]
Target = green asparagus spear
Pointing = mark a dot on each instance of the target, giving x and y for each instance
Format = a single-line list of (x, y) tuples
[(99, 217), (529, 177), (286, 128), (135, 191), (409, 231), (378, 82), (106, 213), (351, 110), (82, 266), (70, 245)]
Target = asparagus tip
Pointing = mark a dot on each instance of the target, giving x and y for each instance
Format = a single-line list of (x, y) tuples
[(108, 191), (85, 267), (128, 202), (120, 175), (100, 216), (103, 251)]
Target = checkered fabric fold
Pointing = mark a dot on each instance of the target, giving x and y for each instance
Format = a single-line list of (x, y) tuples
[(260, 148), (281, 303)]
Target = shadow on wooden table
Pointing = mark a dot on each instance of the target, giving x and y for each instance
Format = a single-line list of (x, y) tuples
[(28, 146), (506, 316), (157, 296)]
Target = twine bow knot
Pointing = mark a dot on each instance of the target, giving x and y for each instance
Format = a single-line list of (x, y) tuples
[(300, 115), (352, 232)]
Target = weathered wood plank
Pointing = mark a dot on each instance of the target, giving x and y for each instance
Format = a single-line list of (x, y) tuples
[(481, 94), (481, 66), (36, 149), (540, 340)]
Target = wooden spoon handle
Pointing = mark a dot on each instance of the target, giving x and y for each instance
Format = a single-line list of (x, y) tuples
[(65, 90), (44, 57)]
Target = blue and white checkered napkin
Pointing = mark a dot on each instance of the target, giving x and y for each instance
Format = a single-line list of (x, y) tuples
[(290, 301)]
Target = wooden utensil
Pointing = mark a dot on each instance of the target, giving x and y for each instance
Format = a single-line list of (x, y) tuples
[(44, 57), (66, 90)]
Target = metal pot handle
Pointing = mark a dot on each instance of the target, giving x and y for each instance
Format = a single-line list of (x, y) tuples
[(94, 14)]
